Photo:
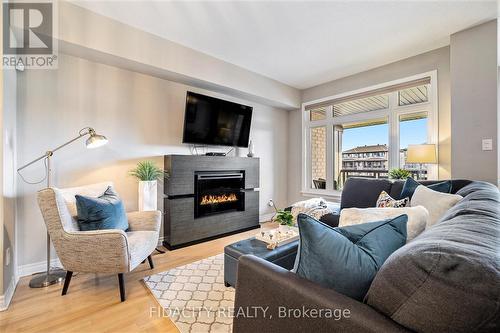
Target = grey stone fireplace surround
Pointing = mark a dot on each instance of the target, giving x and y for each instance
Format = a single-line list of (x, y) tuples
[(207, 197)]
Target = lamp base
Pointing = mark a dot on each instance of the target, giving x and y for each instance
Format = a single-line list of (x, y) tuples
[(42, 279)]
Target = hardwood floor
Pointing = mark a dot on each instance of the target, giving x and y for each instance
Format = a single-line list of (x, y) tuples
[(93, 300)]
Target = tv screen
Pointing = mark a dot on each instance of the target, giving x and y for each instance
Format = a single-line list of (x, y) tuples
[(215, 122)]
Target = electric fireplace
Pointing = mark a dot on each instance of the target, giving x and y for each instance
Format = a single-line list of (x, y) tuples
[(219, 192), (207, 197)]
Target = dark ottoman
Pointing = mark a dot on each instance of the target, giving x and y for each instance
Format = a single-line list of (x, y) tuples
[(283, 256)]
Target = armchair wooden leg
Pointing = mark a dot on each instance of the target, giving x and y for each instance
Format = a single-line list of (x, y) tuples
[(122, 286), (67, 280), (150, 260)]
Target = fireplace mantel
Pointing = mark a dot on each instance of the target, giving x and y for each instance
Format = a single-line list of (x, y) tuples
[(181, 225)]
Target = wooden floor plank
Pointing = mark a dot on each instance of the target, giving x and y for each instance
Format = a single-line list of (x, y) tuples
[(93, 300)]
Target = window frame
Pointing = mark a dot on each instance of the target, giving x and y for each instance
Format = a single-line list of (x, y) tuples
[(392, 114)]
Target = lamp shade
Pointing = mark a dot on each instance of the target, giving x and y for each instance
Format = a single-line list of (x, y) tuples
[(95, 140), (422, 154)]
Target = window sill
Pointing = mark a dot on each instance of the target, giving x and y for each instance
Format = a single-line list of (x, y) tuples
[(327, 194)]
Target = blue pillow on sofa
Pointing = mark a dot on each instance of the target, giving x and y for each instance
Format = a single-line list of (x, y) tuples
[(347, 258), (104, 212), (411, 185)]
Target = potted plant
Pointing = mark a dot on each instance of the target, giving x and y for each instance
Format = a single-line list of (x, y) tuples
[(148, 174), (283, 217), (397, 173)]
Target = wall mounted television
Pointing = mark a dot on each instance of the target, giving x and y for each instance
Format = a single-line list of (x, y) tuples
[(215, 122)]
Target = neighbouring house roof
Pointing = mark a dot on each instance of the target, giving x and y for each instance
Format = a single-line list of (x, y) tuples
[(367, 149), (364, 159)]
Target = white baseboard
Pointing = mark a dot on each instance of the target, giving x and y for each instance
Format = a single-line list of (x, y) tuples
[(9, 293), (28, 269)]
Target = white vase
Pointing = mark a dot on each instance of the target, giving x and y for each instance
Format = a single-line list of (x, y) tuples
[(147, 195), (250, 149)]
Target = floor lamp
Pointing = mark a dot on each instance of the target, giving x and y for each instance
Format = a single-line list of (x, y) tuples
[(94, 140)]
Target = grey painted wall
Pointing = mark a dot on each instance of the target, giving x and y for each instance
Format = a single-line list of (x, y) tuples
[(473, 66), (8, 183), (141, 115), (438, 59), (101, 39)]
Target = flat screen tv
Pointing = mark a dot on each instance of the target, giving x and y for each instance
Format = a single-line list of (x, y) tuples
[(214, 122)]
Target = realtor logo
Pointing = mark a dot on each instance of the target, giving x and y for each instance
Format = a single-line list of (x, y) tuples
[(28, 30)]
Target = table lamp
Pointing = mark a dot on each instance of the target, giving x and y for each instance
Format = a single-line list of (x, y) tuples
[(424, 154)]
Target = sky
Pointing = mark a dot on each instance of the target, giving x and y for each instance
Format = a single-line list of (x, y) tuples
[(411, 132)]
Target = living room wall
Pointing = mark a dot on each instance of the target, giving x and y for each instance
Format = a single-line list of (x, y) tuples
[(141, 115), (8, 229), (474, 90)]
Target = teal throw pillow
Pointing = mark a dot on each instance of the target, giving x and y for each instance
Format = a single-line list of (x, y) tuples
[(104, 212), (347, 259), (411, 185)]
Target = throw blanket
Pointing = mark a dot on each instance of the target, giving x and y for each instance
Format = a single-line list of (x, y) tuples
[(316, 207)]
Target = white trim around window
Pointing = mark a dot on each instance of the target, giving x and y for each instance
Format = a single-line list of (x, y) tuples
[(392, 115)]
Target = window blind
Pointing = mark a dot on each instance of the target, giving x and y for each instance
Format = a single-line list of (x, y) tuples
[(368, 94)]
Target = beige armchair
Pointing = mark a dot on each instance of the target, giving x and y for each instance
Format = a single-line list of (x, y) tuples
[(102, 251)]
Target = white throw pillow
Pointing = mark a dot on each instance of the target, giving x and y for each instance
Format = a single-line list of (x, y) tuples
[(417, 217), (437, 203)]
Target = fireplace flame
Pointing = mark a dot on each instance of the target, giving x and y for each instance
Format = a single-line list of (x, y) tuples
[(216, 199)]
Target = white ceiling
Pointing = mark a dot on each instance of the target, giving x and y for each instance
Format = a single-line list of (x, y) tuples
[(303, 44)]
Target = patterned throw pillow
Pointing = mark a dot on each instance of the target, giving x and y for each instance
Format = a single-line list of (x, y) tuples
[(385, 200)]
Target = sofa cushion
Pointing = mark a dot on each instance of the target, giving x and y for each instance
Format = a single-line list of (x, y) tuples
[(447, 279), (411, 185), (331, 219), (346, 259), (363, 192), (417, 217), (456, 185), (141, 244), (436, 203)]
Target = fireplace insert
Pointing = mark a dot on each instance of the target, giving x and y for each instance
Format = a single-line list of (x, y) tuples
[(218, 192)]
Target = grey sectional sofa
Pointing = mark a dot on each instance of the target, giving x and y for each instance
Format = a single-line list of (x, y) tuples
[(445, 280)]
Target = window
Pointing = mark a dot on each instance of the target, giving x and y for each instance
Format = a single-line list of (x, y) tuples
[(318, 157), (366, 133), (413, 95), (364, 148), (412, 130), (317, 114), (360, 105)]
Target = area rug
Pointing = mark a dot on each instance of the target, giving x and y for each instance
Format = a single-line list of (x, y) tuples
[(194, 297)]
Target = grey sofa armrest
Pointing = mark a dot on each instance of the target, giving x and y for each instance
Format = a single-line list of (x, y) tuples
[(272, 299)]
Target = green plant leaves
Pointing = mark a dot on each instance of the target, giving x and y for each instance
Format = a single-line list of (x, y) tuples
[(284, 217), (147, 171), (399, 173)]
